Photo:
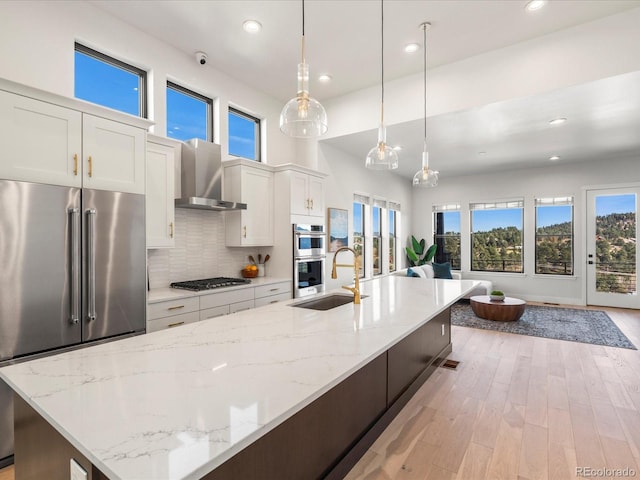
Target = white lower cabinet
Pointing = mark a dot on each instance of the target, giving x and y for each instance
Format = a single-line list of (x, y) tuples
[(274, 293), (172, 313)]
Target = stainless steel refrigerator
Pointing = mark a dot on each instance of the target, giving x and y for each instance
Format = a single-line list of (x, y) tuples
[(72, 271)]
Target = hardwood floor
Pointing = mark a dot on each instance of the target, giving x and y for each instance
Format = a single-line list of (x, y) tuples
[(516, 407)]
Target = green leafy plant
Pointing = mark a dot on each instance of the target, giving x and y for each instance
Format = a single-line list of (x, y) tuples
[(497, 292), (417, 254)]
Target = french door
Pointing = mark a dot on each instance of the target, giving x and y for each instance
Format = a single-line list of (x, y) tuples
[(612, 260)]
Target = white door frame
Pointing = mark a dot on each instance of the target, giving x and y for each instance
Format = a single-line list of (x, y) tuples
[(592, 296)]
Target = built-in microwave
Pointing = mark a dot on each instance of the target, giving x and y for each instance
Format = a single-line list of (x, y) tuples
[(309, 240), (308, 276)]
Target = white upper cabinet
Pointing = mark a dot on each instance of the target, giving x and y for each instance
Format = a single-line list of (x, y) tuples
[(307, 194), (162, 155), (252, 185), (41, 142), (48, 143), (113, 155)]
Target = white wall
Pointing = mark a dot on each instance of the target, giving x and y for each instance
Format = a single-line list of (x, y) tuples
[(37, 48), (554, 180), (348, 175)]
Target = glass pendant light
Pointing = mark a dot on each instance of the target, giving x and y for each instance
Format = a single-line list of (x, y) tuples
[(382, 157), (303, 116), (425, 177)]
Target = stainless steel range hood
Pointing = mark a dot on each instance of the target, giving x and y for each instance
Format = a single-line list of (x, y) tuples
[(202, 178)]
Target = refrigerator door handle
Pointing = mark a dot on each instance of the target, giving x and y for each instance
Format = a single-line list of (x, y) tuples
[(91, 264), (74, 213)]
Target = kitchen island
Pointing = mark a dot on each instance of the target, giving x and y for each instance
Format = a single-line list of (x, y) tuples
[(184, 403)]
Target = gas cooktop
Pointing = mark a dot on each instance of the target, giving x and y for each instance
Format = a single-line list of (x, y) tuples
[(210, 283)]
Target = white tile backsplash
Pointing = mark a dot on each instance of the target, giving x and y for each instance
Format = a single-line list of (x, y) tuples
[(199, 251)]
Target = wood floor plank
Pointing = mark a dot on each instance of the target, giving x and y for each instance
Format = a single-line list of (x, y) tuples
[(630, 421), (618, 455), (562, 462), (488, 421), (475, 462), (560, 430), (585, 435), (505, 459), (606, 420), (7, 473), (534, 453)]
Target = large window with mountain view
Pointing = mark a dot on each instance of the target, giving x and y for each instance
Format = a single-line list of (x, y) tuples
[(446, 234), (496, 236), (378, 209), (360, 204), (554, 235)]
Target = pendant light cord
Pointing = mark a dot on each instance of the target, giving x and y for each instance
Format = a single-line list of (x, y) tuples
[(424, 44), (382, 62), (302, 31)]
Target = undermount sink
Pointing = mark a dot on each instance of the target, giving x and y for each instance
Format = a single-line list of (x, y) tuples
[(327, 302)]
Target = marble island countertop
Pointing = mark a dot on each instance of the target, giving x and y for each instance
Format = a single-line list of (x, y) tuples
[(177, 403)]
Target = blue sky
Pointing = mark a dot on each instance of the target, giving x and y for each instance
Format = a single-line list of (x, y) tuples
[(606, 204)]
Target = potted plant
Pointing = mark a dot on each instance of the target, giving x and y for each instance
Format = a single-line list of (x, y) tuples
[(417, 254), (497, 296)]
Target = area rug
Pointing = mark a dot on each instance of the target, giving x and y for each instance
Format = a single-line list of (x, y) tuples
[(585, 326)]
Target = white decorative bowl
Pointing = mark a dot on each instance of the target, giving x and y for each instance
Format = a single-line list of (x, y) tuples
[(497, 298)]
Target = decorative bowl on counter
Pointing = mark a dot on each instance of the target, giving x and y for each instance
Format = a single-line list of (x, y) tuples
[(250, 271)]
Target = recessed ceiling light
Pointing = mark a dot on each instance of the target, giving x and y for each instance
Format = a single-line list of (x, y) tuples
[(252, 26), (482, 153), (534, 5), (397, 148), (554, 158), (411, 47), (557, 121), (325, 77)]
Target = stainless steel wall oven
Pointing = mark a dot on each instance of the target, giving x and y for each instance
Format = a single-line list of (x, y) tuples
[(309, 252)]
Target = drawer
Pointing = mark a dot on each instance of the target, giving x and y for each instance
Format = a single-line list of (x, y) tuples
[(225, 298), (172, 321), (273, 289), (172, 307), (214, 312), (273, 299), (238, 307)]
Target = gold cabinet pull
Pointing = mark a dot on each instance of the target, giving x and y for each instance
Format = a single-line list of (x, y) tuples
[(75, 164), (175, 324), (90, 166), (176, 308), (171, 229), (244, 231)]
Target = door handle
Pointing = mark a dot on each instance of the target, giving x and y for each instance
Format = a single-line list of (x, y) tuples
[(75, 164), (91, 264), (74, 213), (90, 166)]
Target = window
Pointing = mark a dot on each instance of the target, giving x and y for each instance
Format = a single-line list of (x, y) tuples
[(189, 114), (360, 202), (244, 135), (554, 235), (379, 206), (446, 235), (394, 208), (496, 236), (109, 82)]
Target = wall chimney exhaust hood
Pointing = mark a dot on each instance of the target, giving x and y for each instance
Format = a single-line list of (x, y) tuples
[(202, 178)]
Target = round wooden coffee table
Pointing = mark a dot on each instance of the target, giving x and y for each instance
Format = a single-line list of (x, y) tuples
[(509, 310)]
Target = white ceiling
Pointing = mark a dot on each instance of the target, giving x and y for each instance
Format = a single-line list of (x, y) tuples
[(343, 39)]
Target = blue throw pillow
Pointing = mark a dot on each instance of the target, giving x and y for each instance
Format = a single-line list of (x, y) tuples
[(442, 270), (411, 273)]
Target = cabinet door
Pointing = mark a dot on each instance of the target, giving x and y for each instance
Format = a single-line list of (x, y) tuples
[(316, 196), (159, 198), (299, 194), (113, 155), (41, 142), (257, 219)]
